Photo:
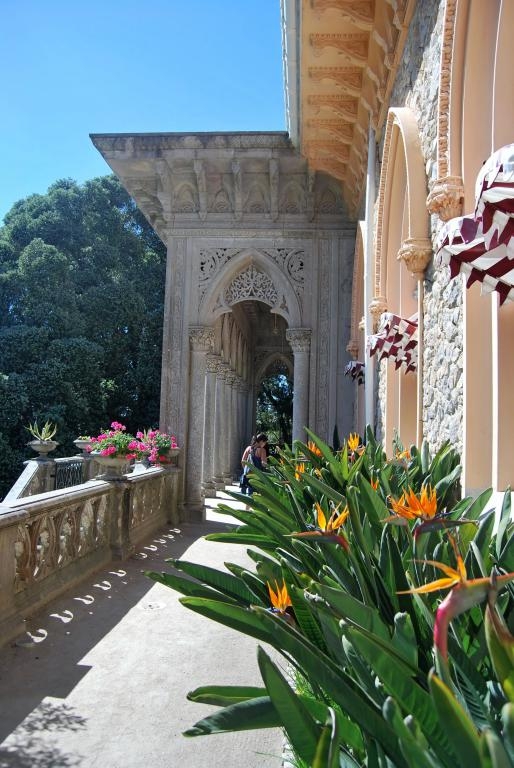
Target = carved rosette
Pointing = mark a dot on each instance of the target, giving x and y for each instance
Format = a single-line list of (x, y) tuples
[(299, 339), (446, 197), (201, 338), (416, 254), (377, 306)]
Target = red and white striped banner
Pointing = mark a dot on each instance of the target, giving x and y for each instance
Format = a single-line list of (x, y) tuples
[(397, 339), (481, 245)]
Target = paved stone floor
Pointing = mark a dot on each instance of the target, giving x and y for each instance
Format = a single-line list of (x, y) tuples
[(101, 678)]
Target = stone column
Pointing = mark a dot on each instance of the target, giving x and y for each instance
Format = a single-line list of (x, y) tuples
[(201, 339), (219, 415), (229, 422), (209, 447), (300, 341)]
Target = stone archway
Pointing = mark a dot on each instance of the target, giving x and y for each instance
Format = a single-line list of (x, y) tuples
[(244, 220)]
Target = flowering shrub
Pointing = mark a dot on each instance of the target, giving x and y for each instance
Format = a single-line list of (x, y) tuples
[(156, 444), (115, 442), (118, 443)]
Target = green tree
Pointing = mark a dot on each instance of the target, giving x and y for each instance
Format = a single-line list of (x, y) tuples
[(81, 305), (275, 408)]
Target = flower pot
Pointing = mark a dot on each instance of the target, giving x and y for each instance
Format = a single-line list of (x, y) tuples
[(43, 447), (115, 466), (82, 445)]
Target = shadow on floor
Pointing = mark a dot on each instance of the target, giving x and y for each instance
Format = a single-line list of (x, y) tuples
[(45, 663)]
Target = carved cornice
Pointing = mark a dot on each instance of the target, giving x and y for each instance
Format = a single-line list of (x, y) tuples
[(417, 255), (341, 129), (353, 47), (299, 339), (346, 106), (347, 78), (446, 198), (377, 306), (358, 12), (201, 338)]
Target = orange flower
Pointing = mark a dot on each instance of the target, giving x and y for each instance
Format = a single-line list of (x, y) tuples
[(353, 441), (410, 507), (374, 482), (465, 594), (327, 529), (280, 599), (334, 522), (299, 470), (313, 448), (402, 455)]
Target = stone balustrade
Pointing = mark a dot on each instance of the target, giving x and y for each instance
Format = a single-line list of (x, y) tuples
[(50, 541)]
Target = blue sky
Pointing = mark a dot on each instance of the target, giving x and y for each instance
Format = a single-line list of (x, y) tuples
[(69, 68)]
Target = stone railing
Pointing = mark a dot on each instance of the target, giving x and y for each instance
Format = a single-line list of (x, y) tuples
[(52, 540)]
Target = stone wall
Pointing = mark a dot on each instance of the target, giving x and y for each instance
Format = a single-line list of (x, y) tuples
[(417, 87)]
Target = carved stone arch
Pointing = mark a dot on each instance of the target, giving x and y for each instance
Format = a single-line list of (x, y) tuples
[(217, 296), (447, 191), (267, 363), (221, 202), (356, 335), (257, 199), (185, 198), (402, 151)]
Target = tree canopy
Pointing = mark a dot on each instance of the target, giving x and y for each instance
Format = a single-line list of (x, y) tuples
[(81, 305)]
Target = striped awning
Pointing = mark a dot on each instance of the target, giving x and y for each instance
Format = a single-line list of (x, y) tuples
[(481, 245), (397, 339), (355, 369)]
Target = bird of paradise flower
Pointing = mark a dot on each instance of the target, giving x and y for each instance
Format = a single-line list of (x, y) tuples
[(465, 593), (423, 510), (327, 529)]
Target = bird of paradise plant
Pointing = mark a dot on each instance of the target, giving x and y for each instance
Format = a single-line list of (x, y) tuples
[(327, 527)]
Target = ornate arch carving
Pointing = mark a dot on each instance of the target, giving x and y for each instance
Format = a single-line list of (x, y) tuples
[(185, 198), (402, 142), (252, 274)]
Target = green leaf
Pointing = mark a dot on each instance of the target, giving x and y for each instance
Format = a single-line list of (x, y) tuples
[(459, 729), (187, 587), (224, 695), (414, 749), (504, 521), (496, 751), (353, 610), (223, 582), (245, 538), (300, 727), (244, 716), (328, 749), (404, 638)]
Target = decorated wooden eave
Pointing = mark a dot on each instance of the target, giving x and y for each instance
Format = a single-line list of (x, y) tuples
[(347, 56)]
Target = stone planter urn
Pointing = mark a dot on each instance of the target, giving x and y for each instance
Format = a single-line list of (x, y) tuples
[(43, 447), (82, 445), (115, 466)]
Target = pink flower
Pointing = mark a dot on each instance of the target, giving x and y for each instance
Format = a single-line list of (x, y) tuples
[(140, 435), (118, 427), (108, 451), (133, 445)]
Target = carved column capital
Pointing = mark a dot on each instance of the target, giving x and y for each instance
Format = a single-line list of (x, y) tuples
[(212, 363), (299, 339), (353, 348), (446, 197), (201, 338), (416, 254), (377, 306)]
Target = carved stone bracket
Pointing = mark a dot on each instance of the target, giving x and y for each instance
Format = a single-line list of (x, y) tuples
[(201, 338), (446, 197), (416, 254), (353, 348), (377, 306), (299, 339)]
